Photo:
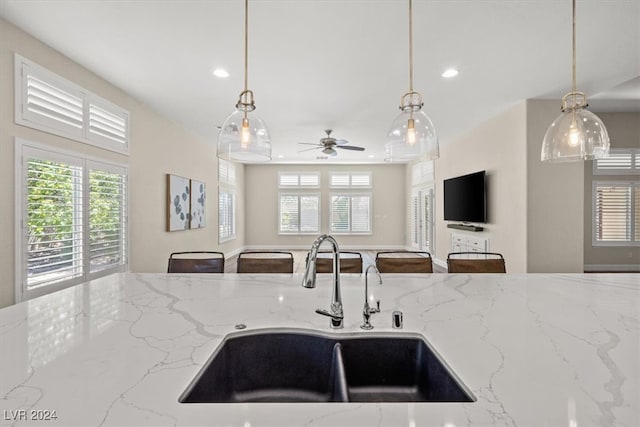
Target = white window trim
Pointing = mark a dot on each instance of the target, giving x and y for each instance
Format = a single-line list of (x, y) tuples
[(22, 145), (350, 195), (634, 201), (83, 135), (232, 191), (298, 195)]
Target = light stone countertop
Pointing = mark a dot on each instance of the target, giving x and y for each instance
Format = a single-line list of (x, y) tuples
[(534, 349)]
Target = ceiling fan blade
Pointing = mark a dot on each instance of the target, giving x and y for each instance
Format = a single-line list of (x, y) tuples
[(350, 147), (311, 143), (308, 149), (341, 141)]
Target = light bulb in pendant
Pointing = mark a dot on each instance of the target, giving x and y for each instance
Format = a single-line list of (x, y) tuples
[(245, 133), (574, 135), (411, 131)]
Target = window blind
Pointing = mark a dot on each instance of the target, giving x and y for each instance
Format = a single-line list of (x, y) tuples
[(226, 215), (51, 105), (107, 241), (616, 212), (106, 124), (350, 213), (48, 102), (298, 179), (621, 161), (299, 213), (54, 214)]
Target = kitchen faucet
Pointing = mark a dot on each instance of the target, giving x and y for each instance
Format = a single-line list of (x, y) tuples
[(367, 311), (309, 280)]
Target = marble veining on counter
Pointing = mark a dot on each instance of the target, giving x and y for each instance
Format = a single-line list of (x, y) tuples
[(534, 349)]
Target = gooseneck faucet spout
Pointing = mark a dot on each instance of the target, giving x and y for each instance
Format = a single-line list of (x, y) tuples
[(309, 281), (367, 311)]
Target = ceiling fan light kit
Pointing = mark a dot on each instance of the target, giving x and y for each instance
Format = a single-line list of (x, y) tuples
[(412, 135), (244, 136), (577, 134)]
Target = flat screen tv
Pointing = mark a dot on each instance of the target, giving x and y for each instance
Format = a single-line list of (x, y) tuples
[(465, 198)]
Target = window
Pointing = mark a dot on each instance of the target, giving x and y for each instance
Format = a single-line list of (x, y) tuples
[(350, 180), (226, 201), (298, 179), (616, 213), (226, 215), (47, 102), (350, 213), (299, 214), (71, 220), (621, 161)]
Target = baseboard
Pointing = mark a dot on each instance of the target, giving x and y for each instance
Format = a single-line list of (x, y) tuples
[(621, 268)]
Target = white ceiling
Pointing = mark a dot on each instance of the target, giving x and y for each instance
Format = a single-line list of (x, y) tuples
[(343, 64)]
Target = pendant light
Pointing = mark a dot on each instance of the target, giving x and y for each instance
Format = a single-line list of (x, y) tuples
[(577, 134), (244, 137), (412, 135)]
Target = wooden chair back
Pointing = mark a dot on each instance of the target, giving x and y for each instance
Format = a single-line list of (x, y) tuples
[(475, 262), (350, 262), (265, 262), (196, 262), (404, 262)]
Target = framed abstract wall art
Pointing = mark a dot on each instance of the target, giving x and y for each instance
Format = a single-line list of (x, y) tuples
[(178, 203), (198, 198)]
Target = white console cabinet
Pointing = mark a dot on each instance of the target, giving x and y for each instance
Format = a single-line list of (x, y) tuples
[(466, 243)]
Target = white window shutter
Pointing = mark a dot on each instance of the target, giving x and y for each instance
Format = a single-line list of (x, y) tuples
[(107, 225), (54, 216), (289, 214), (612, 213)]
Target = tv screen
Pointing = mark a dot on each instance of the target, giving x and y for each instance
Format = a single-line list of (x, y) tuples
[(465, 199)]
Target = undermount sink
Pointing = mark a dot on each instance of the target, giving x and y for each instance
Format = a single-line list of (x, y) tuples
[(289, 365)]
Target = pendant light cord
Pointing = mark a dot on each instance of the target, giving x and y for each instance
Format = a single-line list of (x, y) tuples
[(411, 45), (573, 69), (246, 45)]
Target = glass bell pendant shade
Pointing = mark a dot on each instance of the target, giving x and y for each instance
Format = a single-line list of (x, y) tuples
[(577, 134), (412, 136), (244, 138)]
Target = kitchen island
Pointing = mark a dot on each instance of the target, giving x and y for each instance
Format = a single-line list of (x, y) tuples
[(534, 349)]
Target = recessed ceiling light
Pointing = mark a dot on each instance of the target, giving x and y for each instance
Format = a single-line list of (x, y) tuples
[(281, 156), (451, 72), (221, 73), (371, 156)]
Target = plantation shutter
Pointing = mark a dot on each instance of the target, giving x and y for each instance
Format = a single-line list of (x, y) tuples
[(309, 214), (53, 216), (289, 210), (613, 214), (339, 180), (107, 242), (51, 103), (226, 223), (107, 124), (340, 214), (360, 214), (362, 180)]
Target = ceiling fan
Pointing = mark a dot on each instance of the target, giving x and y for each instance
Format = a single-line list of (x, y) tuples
[(329, 144)]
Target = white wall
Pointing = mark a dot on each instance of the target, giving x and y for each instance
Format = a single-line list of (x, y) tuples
[(555, 194), (261, 214), (499, 147), (624, 132), (158, 146)]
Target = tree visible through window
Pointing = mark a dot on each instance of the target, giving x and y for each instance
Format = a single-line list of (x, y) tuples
[(73, 220)]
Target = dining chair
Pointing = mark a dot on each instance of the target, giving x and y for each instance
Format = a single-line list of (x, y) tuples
[(196, 262), (475, 262), (265, 262), (350, 262), (404, 262)]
